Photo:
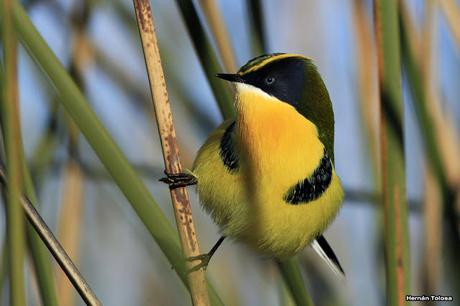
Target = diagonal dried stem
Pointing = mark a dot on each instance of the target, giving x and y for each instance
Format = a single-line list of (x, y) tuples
[(55, 248), (179, 196)]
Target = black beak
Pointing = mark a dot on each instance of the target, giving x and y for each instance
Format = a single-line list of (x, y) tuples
[(230, 77)]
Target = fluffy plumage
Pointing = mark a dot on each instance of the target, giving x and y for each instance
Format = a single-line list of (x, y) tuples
[(267, 177)]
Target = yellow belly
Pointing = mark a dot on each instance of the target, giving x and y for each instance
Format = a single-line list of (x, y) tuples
[(278, 148)]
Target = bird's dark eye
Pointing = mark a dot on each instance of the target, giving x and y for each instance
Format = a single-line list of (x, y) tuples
[(269, 80)]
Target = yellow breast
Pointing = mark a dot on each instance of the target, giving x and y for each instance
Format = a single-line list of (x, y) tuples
[(278, 147), (274, 138)]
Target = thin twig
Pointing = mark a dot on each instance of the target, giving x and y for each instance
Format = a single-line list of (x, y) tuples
[(56, 249), (179, 196)]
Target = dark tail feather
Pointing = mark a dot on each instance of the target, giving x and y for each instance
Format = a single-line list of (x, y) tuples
[(324, 250)]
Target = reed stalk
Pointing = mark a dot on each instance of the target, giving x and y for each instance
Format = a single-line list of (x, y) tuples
[(220, 34), (369, 102), (43, 153), (179, 196), (432, 232), (117, 72), (39, 254), (256, 18), (182, 92), (289, 268), (433, 193), (70, 225), (451, 10), (54, 247), (293, 278), (207, 57), (3, 267), (72, 202), (353, 196), (108, 152), (425, 120), (440, 143), (15, 230), (396, 237), (446, 136)]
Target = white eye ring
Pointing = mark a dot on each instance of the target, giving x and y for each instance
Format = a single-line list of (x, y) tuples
[(269, 80)]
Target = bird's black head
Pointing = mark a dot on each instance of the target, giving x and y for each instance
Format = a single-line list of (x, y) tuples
[(280, 75), (293, 79)]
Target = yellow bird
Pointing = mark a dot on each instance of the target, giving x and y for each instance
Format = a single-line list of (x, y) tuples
[(267, 176)]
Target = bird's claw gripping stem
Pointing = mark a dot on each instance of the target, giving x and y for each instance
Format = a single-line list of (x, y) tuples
[(205, 258), (204, 261), (177, 180)]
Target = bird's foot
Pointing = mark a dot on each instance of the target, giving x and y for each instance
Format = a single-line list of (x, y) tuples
[(177, 180), (204, 261)]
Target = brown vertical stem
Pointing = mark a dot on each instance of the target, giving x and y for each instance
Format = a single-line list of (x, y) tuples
[(368, 86), (179, 196), (432, 231), (72, 197), (69, 226)]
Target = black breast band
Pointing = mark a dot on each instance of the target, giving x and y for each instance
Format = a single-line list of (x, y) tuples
[(227, 152), (311, 187)]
